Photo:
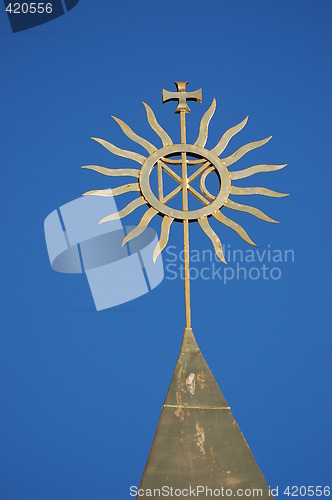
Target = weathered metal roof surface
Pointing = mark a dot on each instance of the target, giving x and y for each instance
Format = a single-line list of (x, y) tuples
[(198, 441)]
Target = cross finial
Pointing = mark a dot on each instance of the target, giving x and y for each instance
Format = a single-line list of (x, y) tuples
[(182, 96)]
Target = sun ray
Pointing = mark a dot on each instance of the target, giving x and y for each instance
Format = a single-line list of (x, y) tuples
[(120, 152), (126, 188), (235, 226), (251, 210), (243, 150), (114, 172), (204, 223), (204, 125), (134, 137), (256, 190), (220, 147), (143, 224), (165, 138), (125, 211), (164, 235), (256, 169)]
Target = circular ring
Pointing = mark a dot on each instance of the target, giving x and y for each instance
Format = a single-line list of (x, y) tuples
[(152, 200)]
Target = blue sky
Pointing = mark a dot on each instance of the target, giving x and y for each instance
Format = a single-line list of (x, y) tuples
[(81, 391)]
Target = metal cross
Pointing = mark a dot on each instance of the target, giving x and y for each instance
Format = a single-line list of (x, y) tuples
[(182, 96)]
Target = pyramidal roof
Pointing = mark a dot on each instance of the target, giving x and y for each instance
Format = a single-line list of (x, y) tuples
[(198, 442)]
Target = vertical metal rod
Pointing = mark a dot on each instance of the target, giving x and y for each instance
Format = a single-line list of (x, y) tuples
[(185, 221)]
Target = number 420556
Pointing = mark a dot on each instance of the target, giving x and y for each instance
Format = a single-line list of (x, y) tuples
[(310, 491), (29, 8)]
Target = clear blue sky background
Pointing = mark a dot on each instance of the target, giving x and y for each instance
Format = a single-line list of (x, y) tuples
[(81, 391)]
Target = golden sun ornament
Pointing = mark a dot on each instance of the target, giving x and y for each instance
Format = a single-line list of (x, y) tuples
[(197, 440), (193, 155)]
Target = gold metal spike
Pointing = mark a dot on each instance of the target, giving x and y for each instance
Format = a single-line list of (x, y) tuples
[(114, 172), (149, 214), (164, 235), (134, 137), (120, 152), (220, 147), (126, 188), (204, 223), (204, 126), (251, 210), (235, 226), (256, 169), (243, 150), (166, 140), (125, 211), (256, 190), (198, 441)]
